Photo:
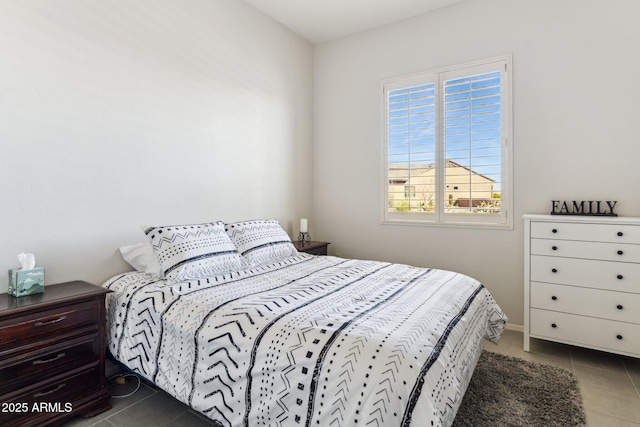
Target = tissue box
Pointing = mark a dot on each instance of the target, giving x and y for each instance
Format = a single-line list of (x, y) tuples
[(26, 282)]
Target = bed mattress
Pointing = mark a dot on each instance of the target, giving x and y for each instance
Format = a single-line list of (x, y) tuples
[(313, 341)]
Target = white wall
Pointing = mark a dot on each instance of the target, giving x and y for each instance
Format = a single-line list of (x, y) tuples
[(576, 109), (115, 114)]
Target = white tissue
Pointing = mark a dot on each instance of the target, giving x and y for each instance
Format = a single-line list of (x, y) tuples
[(28, 261)]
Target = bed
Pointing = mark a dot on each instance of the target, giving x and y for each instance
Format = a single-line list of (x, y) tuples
[(293, 339)]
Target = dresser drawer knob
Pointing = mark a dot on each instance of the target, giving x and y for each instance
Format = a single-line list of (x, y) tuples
[(619, 306), (44, 393), (619, 337), (620, 252), (620, 277), (620, 233), (554, 270), (555, 248), (554, 230), (50, 322), (554, 298), (553, 325)]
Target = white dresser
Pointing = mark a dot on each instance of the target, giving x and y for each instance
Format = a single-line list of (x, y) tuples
[(582, 281)]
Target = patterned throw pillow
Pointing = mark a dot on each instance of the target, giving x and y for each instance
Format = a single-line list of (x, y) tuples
[(194, 251), (261, 241)]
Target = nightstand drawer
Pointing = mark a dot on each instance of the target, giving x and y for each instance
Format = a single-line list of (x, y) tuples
[(312, 248), (25, 329), (57, 396), (318, 251), (20, 371)]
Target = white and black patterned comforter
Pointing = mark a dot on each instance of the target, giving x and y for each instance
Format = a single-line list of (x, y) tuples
[(308, 341)]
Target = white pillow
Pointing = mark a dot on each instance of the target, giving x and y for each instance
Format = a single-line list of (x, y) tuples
[(194, 251), (261, 241), (141, 257)]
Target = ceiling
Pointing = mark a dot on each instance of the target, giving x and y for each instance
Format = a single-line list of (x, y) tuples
[(319, 21)]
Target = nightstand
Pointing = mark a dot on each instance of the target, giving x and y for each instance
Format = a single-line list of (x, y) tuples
[(313, 248), (52, 353)]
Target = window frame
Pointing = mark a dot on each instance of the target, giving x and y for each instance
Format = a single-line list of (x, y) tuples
[(502, 220)]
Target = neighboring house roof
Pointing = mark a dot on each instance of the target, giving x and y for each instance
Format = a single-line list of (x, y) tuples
[(398, 172)]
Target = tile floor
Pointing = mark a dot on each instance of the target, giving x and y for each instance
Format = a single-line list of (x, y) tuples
[(610, 384), (610, 387)]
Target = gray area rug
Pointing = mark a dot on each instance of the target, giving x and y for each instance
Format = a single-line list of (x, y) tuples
[(508, 391)]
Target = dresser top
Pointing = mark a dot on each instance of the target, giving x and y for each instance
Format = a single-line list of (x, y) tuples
[(67, 292)]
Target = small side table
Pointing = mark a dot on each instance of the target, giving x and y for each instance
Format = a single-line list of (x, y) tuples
[(312, 248), (52, 350)]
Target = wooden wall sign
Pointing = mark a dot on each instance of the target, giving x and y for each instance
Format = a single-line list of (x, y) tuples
[(589, 207)]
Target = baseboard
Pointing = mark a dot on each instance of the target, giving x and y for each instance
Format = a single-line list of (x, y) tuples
[(512, 327)]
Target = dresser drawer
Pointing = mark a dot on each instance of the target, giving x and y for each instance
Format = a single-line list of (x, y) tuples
[(588, 302), (26, 329), (623, 252), (19, 371), (608, 275), (591, 332), (586, 231), (57, 396)]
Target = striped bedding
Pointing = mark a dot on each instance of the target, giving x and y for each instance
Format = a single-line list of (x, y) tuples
[(307, 341)]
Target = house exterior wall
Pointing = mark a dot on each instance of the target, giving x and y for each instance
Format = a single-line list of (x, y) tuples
[(416, 189)]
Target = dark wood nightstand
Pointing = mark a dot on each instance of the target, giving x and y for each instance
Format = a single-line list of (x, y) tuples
[(313, 248), (52, 352)]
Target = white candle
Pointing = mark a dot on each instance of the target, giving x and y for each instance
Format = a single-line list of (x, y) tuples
[(303, 225)]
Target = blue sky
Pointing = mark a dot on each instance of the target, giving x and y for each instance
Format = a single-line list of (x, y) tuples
[(472, 124)]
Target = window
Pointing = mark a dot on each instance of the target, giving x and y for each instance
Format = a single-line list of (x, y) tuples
[(447, 146), (409, 191)]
